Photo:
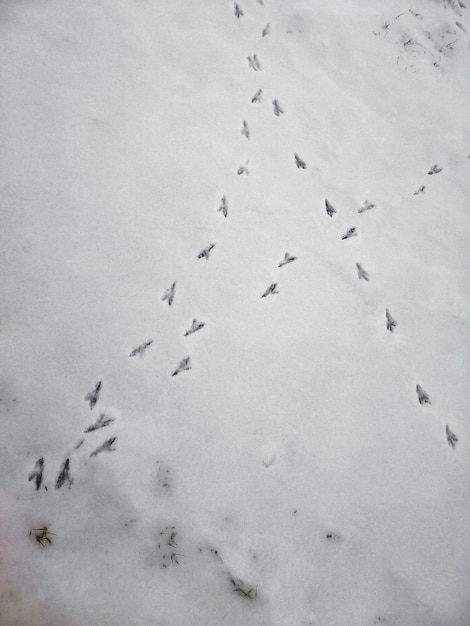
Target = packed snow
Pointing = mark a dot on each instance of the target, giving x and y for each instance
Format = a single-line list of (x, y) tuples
[(235, 313)]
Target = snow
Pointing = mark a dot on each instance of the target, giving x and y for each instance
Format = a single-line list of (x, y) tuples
[(288, 475)]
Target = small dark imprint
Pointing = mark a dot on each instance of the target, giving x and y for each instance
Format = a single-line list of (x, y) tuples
[(245, 131), (254, 63), (330, 209), (170, 294), (141, 349), (238, 12), (266, 30), (361, 272), (184, 365), (435, 169), (278, 110), (299, 162), (105, 447), (243, 590), (101, 422), (194, 328), (391, 322), (243, 170), (421, 189), (366, 207), (37, 472), (93, 396), (223, 206), (204, 254), (257, 96), (42, 536), (351, 232), (423, 397), (271, 290), (287, 259), (64, 475), (451, 438)]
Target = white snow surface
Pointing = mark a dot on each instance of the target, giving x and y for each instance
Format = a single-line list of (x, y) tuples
[(287, 475)]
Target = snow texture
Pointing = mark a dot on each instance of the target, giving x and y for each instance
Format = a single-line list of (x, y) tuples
[(291, 471)]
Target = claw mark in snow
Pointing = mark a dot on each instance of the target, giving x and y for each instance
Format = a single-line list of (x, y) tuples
[(238, 12), (271, 290), (93, 396), (435, 169), (170, 294), (37, 472), (141, 349), (184, 365), (423, 397), (204, 254), (330, 209), (287, 259)]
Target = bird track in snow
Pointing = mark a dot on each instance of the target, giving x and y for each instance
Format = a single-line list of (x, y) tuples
[(195, 327), (271, 290), (183, 366), (300, 162), (287, 259), (92, 396), (330, 209), (278, 110), (170, 294), (254, 63), (351, 232), (361, 272), (205, 252), (223, 208), (141, 349)]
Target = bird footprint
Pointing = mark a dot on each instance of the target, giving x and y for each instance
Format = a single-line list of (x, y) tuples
[(93, 396), (194, 328), (330, 209), (361, 272), (271, 290), (184, 365), (254, 63), (141, 349), (278, 110), (257, 96), (423, 397), (205, 253), (287, 259), (299, 162), (351, 232), (170, 294), (223, 206)]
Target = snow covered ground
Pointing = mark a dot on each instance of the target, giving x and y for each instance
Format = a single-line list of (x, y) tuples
[(290, 472)]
